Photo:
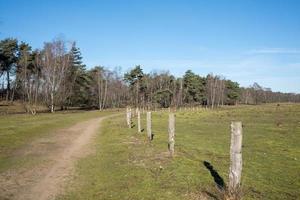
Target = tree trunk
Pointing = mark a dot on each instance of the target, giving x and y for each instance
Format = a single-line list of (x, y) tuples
[(52, 98), (99, 92), (13, 93), (105, 95), (8, 86), (137, 94), (139, 121), (52, 102)]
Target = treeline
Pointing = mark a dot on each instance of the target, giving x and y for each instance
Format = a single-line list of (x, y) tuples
[(55, 76)]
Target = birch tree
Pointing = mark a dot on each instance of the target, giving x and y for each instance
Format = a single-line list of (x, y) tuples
[(56, 66)]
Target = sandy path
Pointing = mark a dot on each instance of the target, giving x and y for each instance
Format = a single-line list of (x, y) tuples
[(59, 152)]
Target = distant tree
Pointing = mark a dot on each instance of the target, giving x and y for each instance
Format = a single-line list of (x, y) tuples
[(193, 87), (56, 76), (117, 91), (55, 71), (220, 93), (8, 59), (25, 73), (99, 86), (211, 89), (79, 79), (257, 92), (232, 91), (164, 98), (246, 95), (178, 93), (134, 78)]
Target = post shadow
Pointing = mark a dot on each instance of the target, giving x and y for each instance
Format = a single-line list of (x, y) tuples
[(152, 137), (217, 178)]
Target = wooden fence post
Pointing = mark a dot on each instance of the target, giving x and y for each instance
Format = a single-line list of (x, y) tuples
[(127, 110), (139, 121), (149, 126), (128, 117), (171, 132), (235, 170)]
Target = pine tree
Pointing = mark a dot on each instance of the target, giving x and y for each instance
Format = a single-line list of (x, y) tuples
[(233, 92), (79, 77), (8, 59), (194, 87)]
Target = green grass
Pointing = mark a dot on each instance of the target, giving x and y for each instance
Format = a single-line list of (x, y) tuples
[(125, 166), (16, 131)]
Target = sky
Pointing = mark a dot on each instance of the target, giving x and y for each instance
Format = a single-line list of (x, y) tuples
[(243, 40)]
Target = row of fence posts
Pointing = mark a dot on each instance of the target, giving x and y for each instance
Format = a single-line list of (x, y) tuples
[(235, 169)]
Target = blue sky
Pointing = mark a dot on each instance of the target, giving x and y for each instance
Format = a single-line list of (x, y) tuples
[(244, 40)]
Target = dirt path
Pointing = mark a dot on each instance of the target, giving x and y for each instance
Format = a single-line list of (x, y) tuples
[(58, 152)]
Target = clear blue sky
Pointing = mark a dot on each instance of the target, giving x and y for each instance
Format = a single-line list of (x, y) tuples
[(244, 40)]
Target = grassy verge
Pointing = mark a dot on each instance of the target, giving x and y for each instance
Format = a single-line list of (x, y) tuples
[(18, 130), (125, 166)]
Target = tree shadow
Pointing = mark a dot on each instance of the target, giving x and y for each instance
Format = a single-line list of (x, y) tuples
[(217, 178)]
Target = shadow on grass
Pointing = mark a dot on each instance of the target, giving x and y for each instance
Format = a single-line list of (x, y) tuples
[(217, 178), (152, 137), (212, 196)]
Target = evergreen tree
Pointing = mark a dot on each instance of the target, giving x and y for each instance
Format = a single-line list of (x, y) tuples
[(8, 60), (134, 78), (164, 98), (194, 87), (79, 78), (232, 91)]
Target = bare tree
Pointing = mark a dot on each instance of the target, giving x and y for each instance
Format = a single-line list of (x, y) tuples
[(211, 89), (56, 66), (28, 77)]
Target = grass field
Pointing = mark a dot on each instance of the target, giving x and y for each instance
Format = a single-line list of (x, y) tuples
[(16, 131), (124, 166)]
